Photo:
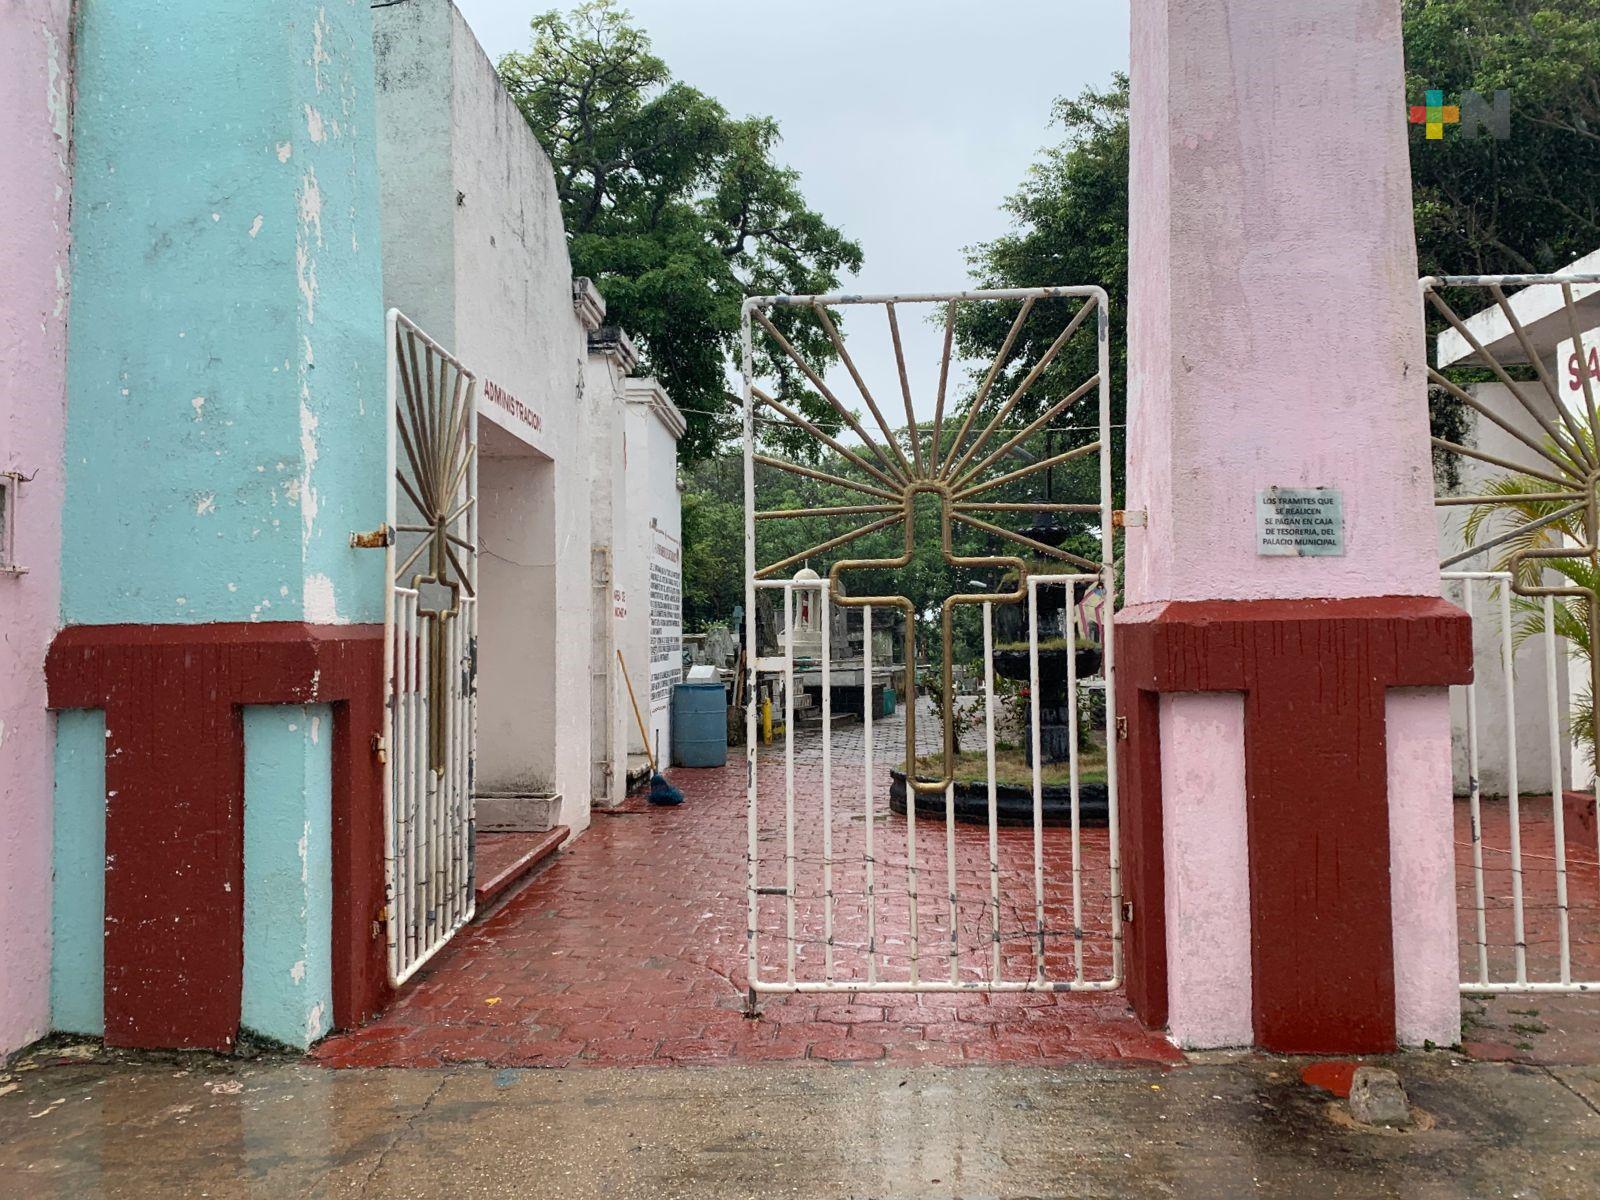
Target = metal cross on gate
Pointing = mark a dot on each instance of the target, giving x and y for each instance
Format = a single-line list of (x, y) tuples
[(981, 468), (950, 473)]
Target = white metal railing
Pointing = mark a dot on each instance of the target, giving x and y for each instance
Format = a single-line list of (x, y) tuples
[(874, 940), (430, 647), (1520, 935)]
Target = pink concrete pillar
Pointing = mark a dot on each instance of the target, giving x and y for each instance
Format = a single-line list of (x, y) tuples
[(34, 186), (1275, 341)]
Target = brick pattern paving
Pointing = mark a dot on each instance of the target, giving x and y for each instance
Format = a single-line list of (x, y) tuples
[(629, 949), (1537, 1028)]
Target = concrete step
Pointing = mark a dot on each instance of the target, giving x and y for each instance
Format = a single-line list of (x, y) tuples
[(506, 861)]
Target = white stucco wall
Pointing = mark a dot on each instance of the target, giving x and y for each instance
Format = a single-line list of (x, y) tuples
[(611, 718), (650, 470), (476, 253)]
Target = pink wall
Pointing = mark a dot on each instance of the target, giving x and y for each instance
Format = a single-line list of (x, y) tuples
[(34, 191), (1275, 324), (1208, 891), (1275, 339), (1422, 870)]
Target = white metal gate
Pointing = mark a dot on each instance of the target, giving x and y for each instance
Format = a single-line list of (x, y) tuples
[(1524, 516), (430, 646), (852, 908)]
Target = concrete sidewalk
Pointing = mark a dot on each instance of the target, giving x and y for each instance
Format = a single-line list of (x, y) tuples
[(1227, 1127)]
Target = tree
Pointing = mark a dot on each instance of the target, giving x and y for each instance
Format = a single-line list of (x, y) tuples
[(1070, 219), (1531, 202), (675, 209)]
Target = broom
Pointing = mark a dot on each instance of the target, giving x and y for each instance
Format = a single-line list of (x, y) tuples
[(661, 792)]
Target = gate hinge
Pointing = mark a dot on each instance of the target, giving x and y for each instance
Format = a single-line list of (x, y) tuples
[(1128, 518), (380, 747), (380, 922), (1122, 729), (1127, 912), (380, 538)]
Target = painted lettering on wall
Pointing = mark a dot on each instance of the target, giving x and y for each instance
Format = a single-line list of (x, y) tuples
[(503, 399), (1577, 365)]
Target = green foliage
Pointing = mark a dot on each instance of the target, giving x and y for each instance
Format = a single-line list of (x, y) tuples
[(675, 209), (1531, 202), (1570, 614), (1070, 226)]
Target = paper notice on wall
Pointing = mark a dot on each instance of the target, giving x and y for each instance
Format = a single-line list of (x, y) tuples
[(666, 619)]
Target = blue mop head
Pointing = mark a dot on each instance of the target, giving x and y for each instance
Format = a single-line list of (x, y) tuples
[(662, 792)]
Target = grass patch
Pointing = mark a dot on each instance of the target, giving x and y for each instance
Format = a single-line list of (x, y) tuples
[(1059, 643), (1011, 767)]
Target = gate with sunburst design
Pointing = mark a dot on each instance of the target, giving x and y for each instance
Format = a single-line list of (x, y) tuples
[(430, 646), (953, 828), (1516, 383)]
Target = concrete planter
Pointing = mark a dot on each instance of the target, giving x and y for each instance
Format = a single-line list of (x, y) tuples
[(518, 812)]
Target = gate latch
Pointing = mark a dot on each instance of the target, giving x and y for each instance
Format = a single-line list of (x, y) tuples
[(1128, 518), (380, 538), (1122, 729)]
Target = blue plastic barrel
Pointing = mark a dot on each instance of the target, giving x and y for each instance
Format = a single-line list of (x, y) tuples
[(699, 724)]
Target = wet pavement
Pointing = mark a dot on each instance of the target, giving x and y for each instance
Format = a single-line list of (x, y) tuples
[(1221, 1127), (629, 948)]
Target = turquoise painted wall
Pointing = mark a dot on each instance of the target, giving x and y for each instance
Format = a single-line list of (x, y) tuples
[(225, 365), (288, 873), (78, 900)]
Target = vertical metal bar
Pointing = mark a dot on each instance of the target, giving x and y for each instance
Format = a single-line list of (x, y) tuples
[(391, 706), (428, 782), (390, 790), (454, 812), (469, 795), (994, 822), (1513, 787), (1475, 803), (911, 821), (1038, 779), (950, 873), (413, 729), (824, 610), (871, 803), (1108, 627), (788, 772), (1072, 787), (1557, 806), (752, 851)]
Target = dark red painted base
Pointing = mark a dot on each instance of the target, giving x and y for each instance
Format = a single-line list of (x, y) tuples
[(173, 694), (1314, 674)]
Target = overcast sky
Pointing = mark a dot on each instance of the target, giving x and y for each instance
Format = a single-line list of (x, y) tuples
[(909, 120)]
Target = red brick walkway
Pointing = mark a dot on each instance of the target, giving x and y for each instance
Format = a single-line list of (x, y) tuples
[(629, 949), (1551, 1029)]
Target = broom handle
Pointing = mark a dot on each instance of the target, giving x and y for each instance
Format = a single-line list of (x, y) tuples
[(637, 715)]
